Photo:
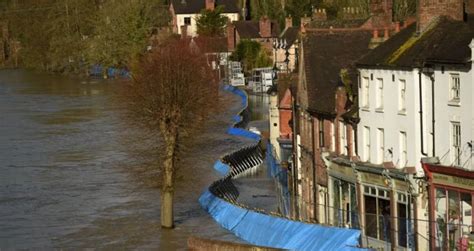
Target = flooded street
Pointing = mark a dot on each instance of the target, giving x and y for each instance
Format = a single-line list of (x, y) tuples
[(64, 181)]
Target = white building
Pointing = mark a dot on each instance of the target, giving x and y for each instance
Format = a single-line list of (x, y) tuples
[(416, 110), (184, 13)]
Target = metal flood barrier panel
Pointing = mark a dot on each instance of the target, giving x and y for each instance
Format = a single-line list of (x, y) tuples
[(272, 231)]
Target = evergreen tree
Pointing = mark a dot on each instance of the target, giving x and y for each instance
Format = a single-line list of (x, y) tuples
[(211, 23)]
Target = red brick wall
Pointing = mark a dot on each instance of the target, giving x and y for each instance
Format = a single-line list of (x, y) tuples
[(265, 25), (230, 36), (285, 129), (431, 9)]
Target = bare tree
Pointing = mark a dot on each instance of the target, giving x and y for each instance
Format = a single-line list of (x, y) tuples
[(173, 93)]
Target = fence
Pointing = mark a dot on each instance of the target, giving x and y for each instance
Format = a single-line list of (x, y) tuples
[(382, 230), (280, 176)]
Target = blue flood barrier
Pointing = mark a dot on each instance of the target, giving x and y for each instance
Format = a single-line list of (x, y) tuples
[(221, 168), (243, 133), (266, 230)]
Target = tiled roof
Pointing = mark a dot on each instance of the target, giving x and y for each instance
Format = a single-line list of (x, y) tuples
[(446, 41), (290, 35), (195, 6), (251, 29), (325, 55)]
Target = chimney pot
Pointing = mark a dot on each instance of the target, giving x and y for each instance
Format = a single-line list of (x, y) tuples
[(376, 34), (397, 27), (288, 22)]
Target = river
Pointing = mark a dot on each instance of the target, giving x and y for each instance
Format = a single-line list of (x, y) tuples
[(65, 170)]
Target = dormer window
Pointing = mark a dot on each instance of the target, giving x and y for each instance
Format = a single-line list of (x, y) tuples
[(455, 88)]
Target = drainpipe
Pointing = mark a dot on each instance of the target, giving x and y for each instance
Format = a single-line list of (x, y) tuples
[(421, 113), (433, 112), (315, 186), (294, 170)]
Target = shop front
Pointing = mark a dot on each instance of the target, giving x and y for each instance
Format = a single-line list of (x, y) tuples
[(387, 209), (451, 193), (343, 207)]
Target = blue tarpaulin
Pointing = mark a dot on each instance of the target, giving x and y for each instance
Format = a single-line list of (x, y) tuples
[(267, 230), (272, 231), (243, 133), (221, 168)]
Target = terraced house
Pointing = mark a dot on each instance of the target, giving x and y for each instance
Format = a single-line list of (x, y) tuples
[(416, 129), (383, 138), (185, 12)]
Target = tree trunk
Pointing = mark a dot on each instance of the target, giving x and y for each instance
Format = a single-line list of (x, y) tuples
[(167, 217)]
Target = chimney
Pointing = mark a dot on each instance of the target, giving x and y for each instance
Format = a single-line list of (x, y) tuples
[(265, 26), (184, 31), (230, 36), (469, 7), (341, 99), (381, 13), (210, 5), (320, 15), (288, 22), (429, 10)]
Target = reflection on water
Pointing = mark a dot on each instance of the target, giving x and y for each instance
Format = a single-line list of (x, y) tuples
[(258, 104), (62, 181), (66, 116)]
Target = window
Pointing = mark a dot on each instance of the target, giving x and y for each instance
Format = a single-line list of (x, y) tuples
[(365, 92), (402, 160), (377, 213), (402, 85), (187, 21), (333, 137), (456, 143), (342, 138), (321, 133), (453, 212), (455, 88), (345, 212), (380, 145), (405, 238), (379, 95), (366, 144)]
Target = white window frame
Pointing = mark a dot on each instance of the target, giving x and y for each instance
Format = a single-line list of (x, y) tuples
[(333, 137), (380, 145), (365, 92), (366, 142), (342, 138), (379, 94), (403, 151), (455, 143), (402, 92), (455, 88)]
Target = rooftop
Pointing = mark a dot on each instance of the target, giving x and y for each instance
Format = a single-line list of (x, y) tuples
[(195, 6)]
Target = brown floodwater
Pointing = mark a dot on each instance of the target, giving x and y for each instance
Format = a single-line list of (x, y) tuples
[(67, 176)]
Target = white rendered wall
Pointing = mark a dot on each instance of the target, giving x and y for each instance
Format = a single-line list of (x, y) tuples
[(390, 119), (274, 125), (192, 29), (447, 112)]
